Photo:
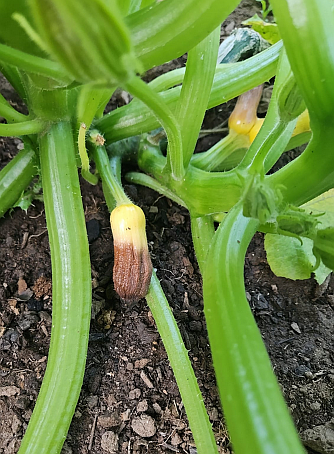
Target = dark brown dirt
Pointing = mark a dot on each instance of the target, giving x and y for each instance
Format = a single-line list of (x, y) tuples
[(129, 400)]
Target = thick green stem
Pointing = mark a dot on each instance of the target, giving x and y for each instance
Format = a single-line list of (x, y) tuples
[(22, 129), (161, 32), (257, 417), (71, 294), (149, 182), (183, 371), (136, 118), (15, 177), (31, 63), (202, 230), (214, 158), (274, 135), (306, 27), (195, 92), (167, 119), (314, 168), (197, 187)]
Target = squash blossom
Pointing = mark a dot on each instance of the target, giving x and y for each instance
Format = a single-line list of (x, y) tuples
[(132, 264), (244, 120)]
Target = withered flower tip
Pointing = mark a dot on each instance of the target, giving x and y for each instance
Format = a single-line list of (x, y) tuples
[(132, 263)]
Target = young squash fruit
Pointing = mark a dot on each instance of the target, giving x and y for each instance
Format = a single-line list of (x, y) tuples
[(132, 263)]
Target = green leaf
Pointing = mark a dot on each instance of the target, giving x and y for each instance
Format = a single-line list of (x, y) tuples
[(28, 196), (267, 30), (288, 258), (324, 203)]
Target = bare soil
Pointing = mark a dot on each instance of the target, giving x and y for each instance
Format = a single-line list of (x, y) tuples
[(130, 401)]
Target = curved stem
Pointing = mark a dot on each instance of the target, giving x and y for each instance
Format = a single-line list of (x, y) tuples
[(149, 182), (101, 159), (9, 113), (16, 176), (71, 294), (153, 100), (136, 118), (31, 63), (202, 232), (195, 92), (160, 32), (23, 128), (314, 167), (251, 398), (214, 157), (183, 371), (306, 27)]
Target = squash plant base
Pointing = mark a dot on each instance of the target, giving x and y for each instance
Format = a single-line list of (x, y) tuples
[(127, 370), (128, 378)]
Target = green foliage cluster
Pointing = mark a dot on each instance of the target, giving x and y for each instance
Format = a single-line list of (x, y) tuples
[(65, 59)]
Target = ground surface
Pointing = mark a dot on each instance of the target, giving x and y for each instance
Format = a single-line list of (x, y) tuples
[(129, 401)]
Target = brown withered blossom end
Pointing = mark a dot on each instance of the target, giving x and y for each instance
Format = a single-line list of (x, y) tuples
[(132, 263)]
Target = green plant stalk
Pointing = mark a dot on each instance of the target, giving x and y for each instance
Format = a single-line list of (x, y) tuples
[(136, 118), (9, 113), (167, 119), (213, 158), (85, 172), (298, 140), (14, 77), (195, 92), (309, 42), (23, 128), (167, 80), (197, 186), (31, 63), (160, 33), (71, 294), (16, 176), (314, 167), (250, 395), (275, 133), (89, 101), (109, 179), (149, 182), (306, 28), (202, 231), (183, 371)]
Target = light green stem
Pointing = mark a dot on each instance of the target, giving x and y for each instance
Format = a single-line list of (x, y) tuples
[(22, 129), (160, 109), (256, 414), (9, 113), (71, 294), (31, 63), (149, 182), (183, 371)]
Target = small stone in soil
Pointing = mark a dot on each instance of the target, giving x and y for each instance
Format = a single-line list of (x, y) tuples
[(109, 442), (142, 406), (108, 420), (9, 391), (134, 394), (144, 426), (320, 438)]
